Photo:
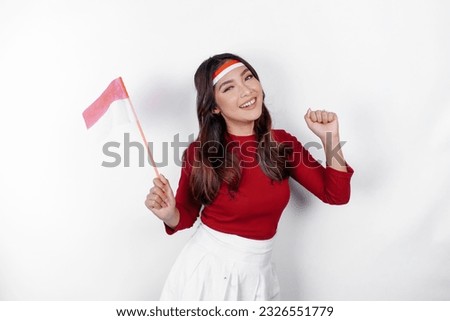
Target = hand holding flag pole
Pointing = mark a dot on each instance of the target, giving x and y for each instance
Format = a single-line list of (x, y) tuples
[(115, 91)]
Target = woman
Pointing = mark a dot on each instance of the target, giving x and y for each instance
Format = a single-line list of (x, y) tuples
[(236, 174)]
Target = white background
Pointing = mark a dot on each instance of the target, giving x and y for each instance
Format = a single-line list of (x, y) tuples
[(71, 229)]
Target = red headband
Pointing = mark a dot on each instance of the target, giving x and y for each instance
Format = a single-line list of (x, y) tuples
[(224, 69)]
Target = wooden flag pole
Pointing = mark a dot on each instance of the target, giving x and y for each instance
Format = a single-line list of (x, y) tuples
[(150, 156)]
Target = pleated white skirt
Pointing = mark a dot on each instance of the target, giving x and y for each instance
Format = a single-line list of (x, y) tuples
[(219, 266)]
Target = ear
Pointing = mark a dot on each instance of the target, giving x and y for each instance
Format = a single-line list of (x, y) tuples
[(216, 110)]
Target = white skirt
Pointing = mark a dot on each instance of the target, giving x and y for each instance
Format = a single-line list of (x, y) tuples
[(219, 266)]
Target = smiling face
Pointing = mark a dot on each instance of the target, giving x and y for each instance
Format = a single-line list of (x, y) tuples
[(239, 99)]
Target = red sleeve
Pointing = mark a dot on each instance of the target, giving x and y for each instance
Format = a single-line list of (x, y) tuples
[(329, 185), (189, 208)]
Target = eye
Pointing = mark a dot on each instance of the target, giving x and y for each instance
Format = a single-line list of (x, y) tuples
[(248, 77), (228, 88)]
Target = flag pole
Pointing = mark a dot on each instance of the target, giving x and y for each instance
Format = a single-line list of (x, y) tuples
[(150, 156)]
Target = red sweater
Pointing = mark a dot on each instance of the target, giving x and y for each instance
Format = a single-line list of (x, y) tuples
[(254, 211)]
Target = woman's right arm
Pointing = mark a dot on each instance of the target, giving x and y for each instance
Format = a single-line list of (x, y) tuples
[(161, 201), (180, 211)]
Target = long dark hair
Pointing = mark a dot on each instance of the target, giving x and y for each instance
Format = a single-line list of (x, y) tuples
[(214, 163)]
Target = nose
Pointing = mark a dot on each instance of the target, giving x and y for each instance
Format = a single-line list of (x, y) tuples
[(245, 91)]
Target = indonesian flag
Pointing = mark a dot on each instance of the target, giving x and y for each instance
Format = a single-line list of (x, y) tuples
[(115, 91)]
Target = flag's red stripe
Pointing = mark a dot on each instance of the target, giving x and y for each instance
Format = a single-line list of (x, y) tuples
[(115, 91)]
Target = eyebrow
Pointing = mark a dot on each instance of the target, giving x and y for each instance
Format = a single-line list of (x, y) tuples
[(231, 80)]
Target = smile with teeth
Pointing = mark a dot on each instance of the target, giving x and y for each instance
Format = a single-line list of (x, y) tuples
[(248, 104)]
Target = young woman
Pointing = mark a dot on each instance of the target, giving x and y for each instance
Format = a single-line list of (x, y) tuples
[(236, 175)]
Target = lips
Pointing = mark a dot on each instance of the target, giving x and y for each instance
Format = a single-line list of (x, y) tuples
[(248, 103)]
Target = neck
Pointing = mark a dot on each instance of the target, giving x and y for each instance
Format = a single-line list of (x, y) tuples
[(241, 130)]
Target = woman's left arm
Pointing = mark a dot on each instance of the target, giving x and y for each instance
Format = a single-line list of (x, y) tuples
[(331, 183), (326, 126)]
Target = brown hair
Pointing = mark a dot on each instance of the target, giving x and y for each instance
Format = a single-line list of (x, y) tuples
[(214, 163)]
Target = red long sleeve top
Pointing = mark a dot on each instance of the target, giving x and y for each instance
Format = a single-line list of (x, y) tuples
[(255, 209)]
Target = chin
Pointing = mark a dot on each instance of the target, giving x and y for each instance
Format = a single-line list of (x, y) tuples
[(257, 114)]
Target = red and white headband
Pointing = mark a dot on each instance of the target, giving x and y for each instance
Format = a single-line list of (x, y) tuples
[(225, 69)]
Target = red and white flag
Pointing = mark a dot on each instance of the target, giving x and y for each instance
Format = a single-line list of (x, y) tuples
[(115, 91)]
